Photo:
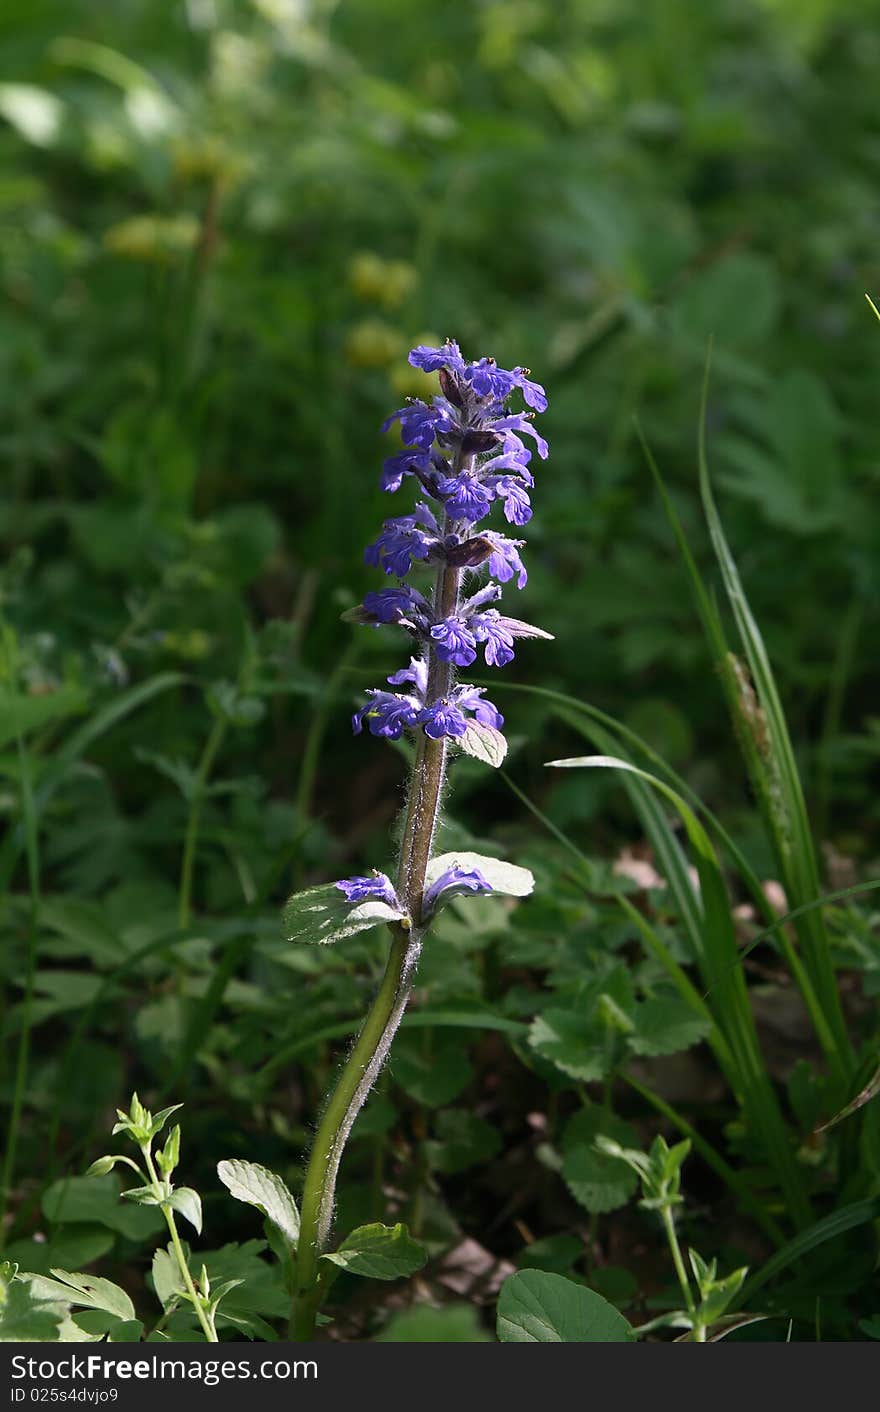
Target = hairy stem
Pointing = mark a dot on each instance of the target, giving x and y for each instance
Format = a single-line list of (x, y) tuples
[(364, 1063)]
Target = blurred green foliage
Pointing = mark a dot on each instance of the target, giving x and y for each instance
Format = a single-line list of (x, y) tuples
[(222, 225)]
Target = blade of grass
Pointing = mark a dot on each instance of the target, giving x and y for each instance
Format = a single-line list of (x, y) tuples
[(730, 1002), (774, 765)]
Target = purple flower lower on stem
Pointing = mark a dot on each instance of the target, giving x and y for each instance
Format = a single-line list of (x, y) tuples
[(376, 885), (504, 561), (385, 715), (451, 883)]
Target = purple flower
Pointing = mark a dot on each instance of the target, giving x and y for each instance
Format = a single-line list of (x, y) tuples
[(504, 561), (517, 505), (431, 360), (443, 718), (490, 629), (377, 885), (521, 422), (420, 423), (402, 540), (386, 715), (395, 605), (533, 393), (455, 642), (488, 380), (470, 698), (450, 883), (417, 673), (466, 497), (404, 463)]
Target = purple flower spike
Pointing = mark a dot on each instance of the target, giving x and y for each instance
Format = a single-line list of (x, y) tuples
[(467, 451), (453, 882), (362, 889)]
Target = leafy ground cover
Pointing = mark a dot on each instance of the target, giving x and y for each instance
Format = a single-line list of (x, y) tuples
[(222, 225)]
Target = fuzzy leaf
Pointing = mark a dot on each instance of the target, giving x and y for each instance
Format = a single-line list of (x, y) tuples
[(537, 1307), (379, 1252), (90, 1292), (505, 878), (323, 914), (483, 743), (256, 1185)]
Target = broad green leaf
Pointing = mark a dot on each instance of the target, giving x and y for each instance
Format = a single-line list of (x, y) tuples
[(88, 1291), (67, 1246), (483, 743), (256, 1185), (96, 1200), (323, 914), (666, 1024), (571, 1041), (188, 1202), (505, 878), (28, 1314), (598, 1182), (379, 1252), (20, 714), (537, 1307), (105, 1327), (167, 1279), (453, 1323)]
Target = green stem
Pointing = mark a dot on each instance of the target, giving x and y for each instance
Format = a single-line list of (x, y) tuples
[(681, 1272), (209, 754), (364, 1064), (204, 1319)]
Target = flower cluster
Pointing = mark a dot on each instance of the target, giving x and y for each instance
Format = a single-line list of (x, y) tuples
[(466, 451)]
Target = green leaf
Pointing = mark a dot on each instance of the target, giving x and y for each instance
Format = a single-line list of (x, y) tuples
[(324, 915), (20, 714), (188, 1202), (597, 1181), (379, 1253), (29, 1315), (90, 1292), (96, 1199), (505, 878), (67, 1246), (666, 1024), (573, 1043), (256, 1185), (454, 1323), (483, 743), (167, 1279), (537, 1307)]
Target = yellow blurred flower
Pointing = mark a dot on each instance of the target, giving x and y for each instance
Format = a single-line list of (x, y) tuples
[(373, 344), (378, 281), (191, 646), (153, 239)]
